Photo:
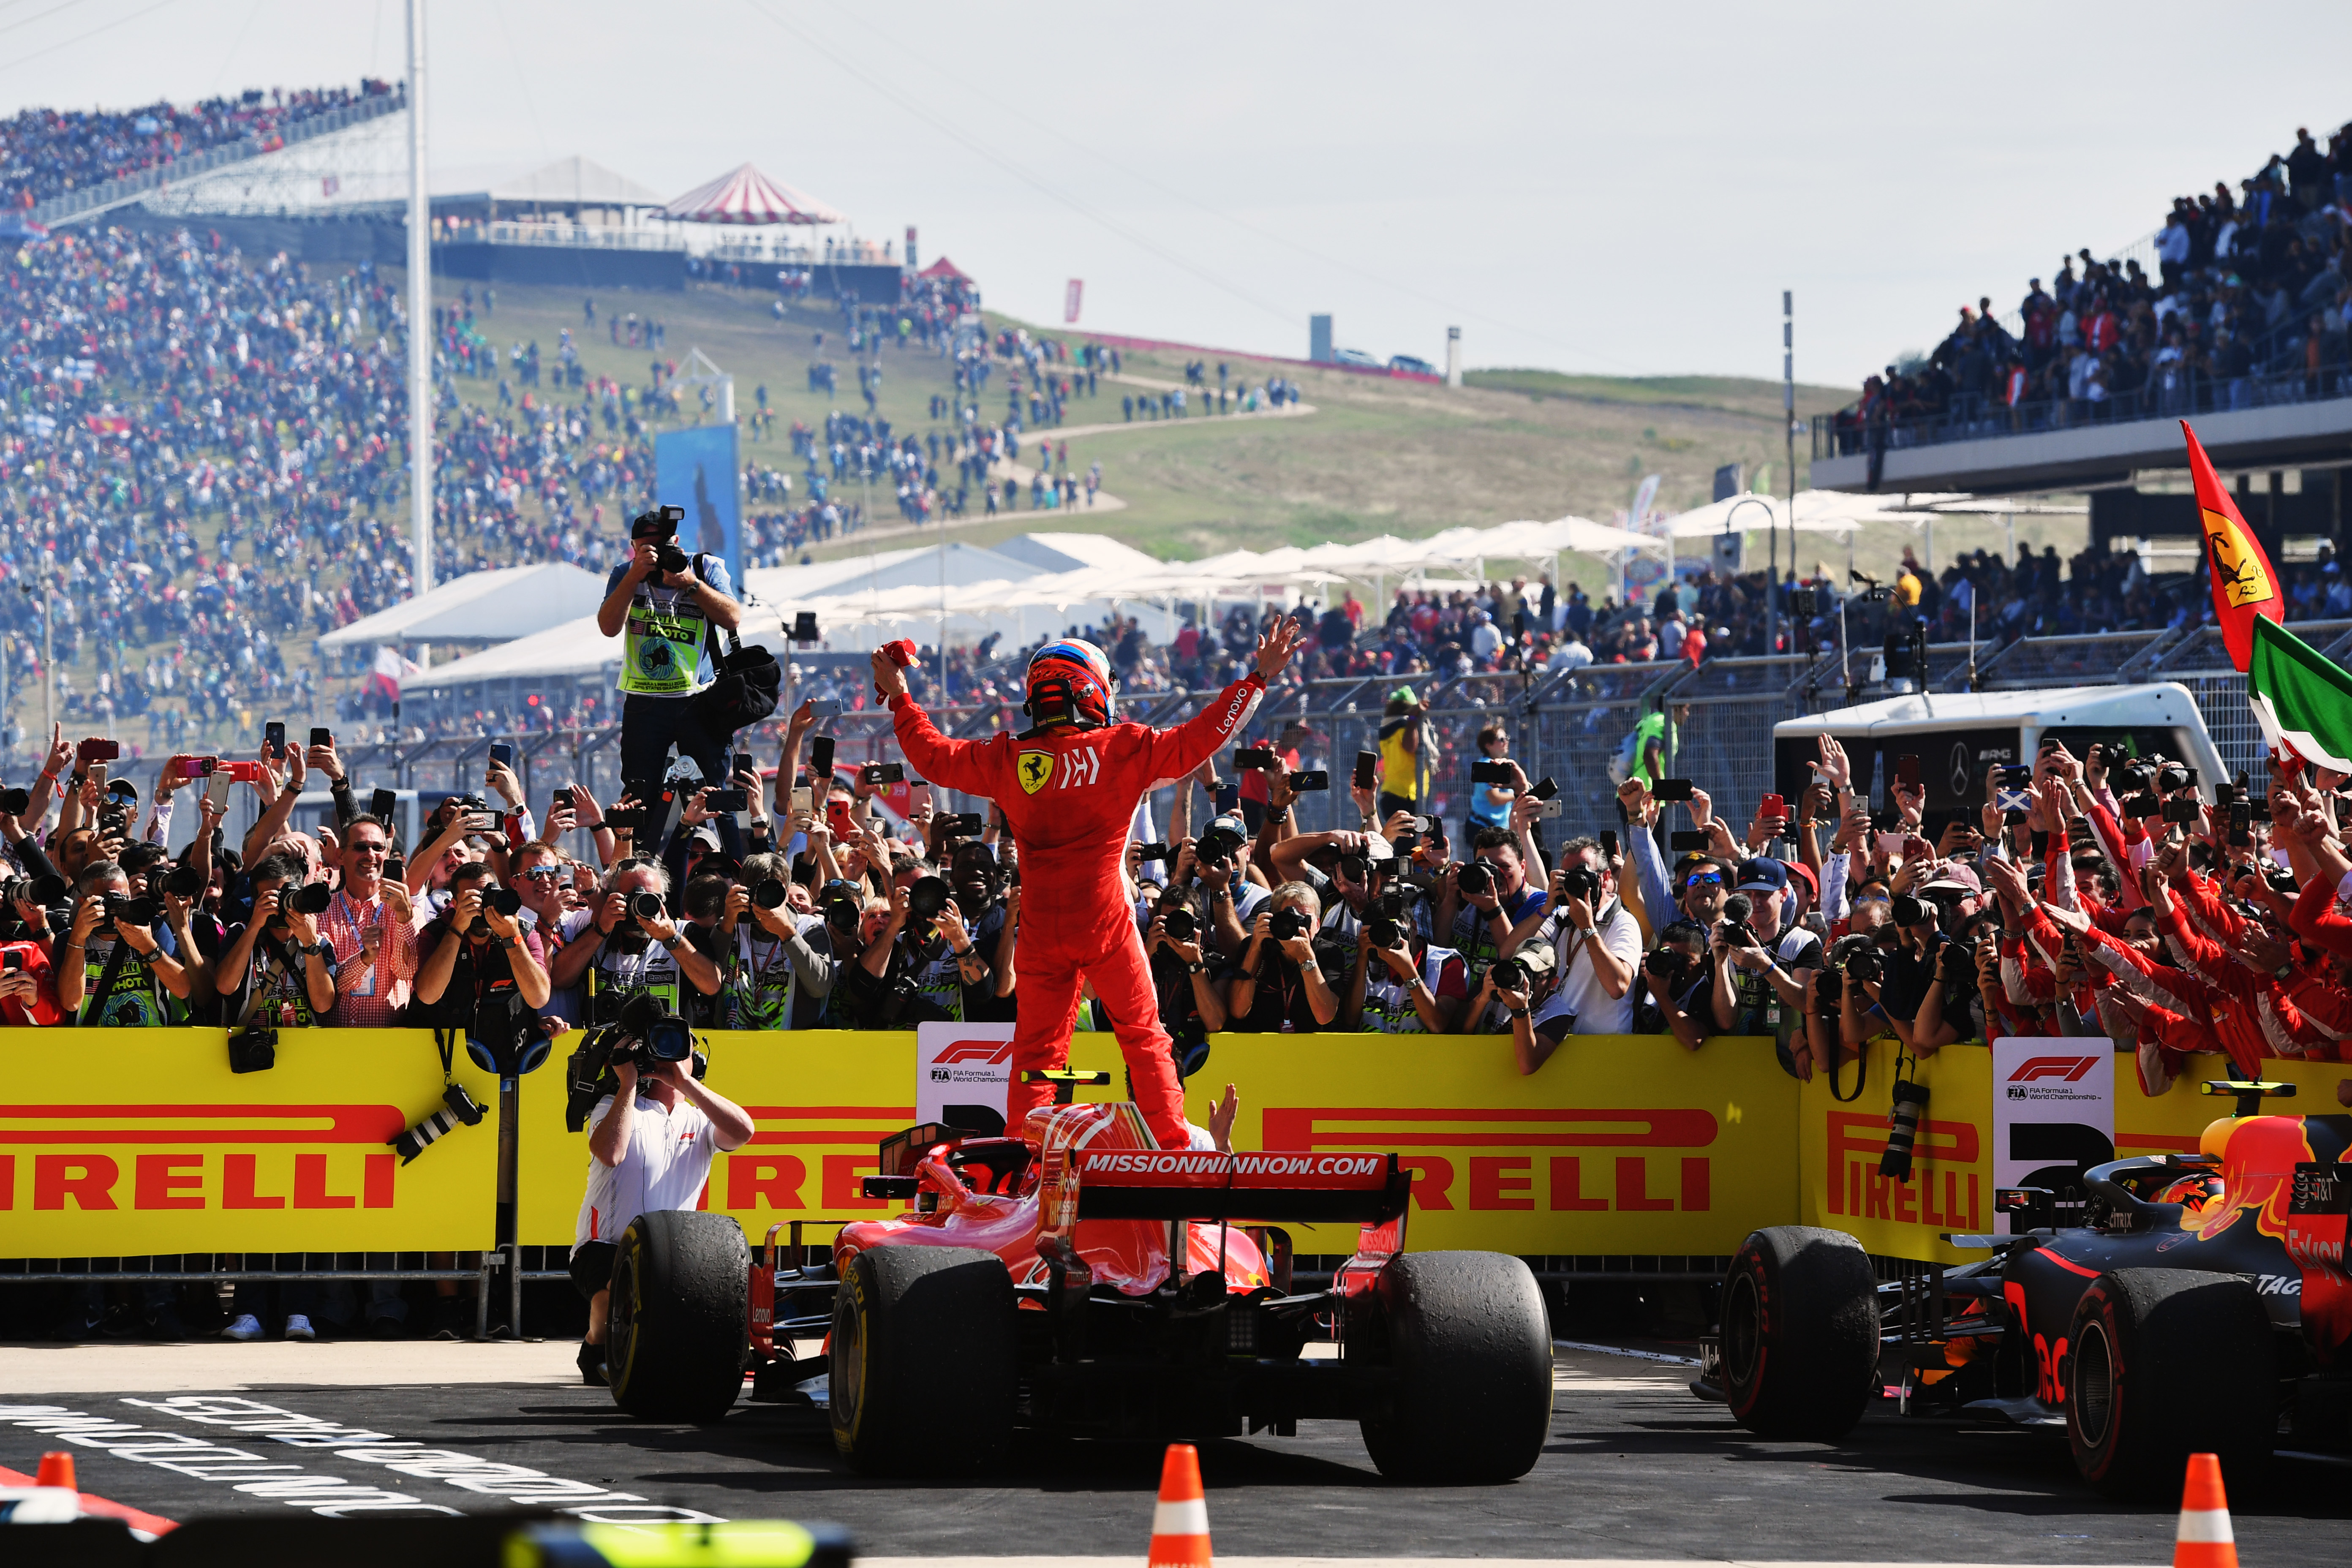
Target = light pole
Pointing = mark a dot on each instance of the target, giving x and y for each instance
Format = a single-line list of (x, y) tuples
[(420, 319)]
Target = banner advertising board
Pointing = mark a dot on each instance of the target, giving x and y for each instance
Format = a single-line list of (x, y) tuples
[(1956, 1159), (2053, 1111), (155, 1146), (1621, 1145), (963, 1074), (696, 469)]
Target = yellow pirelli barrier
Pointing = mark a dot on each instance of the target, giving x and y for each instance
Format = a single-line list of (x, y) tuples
[(144, 1142), (1621, 1145), (1949, 1191)]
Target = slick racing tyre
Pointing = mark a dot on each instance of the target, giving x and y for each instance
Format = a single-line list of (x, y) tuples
[(1468, 1347), (2163, 1364), (680, 1316), (1799, 1333), (925, 1369)]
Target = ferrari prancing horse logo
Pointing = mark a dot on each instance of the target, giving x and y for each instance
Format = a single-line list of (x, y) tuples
[(1034, 768), (2236, 566)]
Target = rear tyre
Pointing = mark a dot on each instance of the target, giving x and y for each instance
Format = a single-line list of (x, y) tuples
[(680, 1316), (2163, 1364), (1799, 1333), (1469, 1351), (925, 1366)]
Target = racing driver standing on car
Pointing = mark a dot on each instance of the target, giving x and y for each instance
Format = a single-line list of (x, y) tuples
[(1068, 787)]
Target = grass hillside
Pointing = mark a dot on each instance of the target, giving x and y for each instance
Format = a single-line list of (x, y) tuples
[(1377, 456)]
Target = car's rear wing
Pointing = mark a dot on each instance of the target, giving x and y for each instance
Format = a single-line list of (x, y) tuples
[(1206, 1185)]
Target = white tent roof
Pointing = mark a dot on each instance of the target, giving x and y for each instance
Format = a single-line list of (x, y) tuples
[(1818, 511), (497, 605), (1068, 551), (745, 195)]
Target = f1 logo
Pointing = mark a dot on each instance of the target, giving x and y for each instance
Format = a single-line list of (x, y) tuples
[(993, 1052), (2069, 1068)]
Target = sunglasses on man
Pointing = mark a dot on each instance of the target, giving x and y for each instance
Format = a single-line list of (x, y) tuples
[(1705, 879)]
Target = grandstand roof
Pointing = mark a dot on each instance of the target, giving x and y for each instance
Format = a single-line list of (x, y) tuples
[(745, 195), (569, 182), (497, 605)]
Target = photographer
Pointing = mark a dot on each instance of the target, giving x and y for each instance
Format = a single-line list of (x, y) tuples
[(668, 608), (625, 944), (916, 962), (1191, 998), (1521, 993), (1596, 939), (479, 961), (1400, 985), (277, 969), (1677, 986), (647, 1153), (116, 964), (1278, 986), (981, 891), (1486, 909), (778, 967), (1222, 894)]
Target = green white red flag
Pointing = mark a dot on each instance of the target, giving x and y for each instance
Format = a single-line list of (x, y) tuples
[(2301, 697)]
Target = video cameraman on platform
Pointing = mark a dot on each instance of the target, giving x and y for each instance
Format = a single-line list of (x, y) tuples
[(665, 607), (646, 1153)]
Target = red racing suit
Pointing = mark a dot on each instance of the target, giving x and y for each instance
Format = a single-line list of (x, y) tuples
[(1069, 796)]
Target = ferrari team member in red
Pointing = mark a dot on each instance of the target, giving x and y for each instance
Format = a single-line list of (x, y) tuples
[(1068, 787)]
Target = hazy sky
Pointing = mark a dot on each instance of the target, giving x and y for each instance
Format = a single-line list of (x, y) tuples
[(1618, 189)]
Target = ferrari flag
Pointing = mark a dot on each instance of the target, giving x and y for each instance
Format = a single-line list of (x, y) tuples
[(2244, 586), (2301, 698)]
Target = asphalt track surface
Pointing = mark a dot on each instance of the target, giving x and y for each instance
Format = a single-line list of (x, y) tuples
[(1636, 1469)]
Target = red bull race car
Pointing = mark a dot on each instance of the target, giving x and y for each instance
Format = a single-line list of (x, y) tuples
[(2195, 1303), (1079, 1280)]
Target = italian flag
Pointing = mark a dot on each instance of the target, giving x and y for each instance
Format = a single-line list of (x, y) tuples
[(2301, 698)]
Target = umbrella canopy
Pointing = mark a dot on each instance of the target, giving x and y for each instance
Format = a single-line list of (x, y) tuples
[(945, 269), (745, 195)]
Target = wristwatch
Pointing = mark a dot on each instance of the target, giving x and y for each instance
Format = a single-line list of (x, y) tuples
[(321, 947), (1278, 818), (1516, 1012), (1194, 968), (506, 941)]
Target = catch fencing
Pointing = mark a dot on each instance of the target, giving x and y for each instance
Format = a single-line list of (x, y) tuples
[(1568, 726)]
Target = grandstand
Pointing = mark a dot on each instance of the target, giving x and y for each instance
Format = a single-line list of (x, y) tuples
[(2233, 314)]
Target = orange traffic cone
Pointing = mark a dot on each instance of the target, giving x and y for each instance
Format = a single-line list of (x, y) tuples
[(2203, 1539), (56, 1470), (1179, 1524)]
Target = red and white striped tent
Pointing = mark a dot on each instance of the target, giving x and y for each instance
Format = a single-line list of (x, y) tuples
[(745, 195)]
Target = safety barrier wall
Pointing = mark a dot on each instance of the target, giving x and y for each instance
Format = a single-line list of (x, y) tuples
[(1622, 1146)]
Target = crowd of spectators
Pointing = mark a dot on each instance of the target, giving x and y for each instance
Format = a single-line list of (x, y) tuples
[(2247, 303), (46, 153)]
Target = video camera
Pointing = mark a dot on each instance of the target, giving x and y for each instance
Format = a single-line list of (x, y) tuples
[(639, 1029)]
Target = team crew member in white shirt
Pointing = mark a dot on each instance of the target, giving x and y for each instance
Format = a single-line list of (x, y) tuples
[(647, 1151)]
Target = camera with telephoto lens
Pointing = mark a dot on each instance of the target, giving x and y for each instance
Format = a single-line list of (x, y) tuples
[(670, 558), (1956, 965), (1476, 878), (769, 893), (504, 900), (129, 911), (1733, 929), (184, 882), (458, 1109), (1511, 974), (1287, 923), (1910, 912), (927, 899), (310, 897), (1179, 925), (642, 906), (1218, 846), (1579, 882), (1902, 1129), (1385, 926)]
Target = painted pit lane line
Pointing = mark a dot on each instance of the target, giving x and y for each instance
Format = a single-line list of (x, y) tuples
[(155, 1432), (1635, 1468)]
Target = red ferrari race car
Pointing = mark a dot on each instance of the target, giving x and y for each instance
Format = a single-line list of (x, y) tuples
[(1079, 1280), (2191, 1303)]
